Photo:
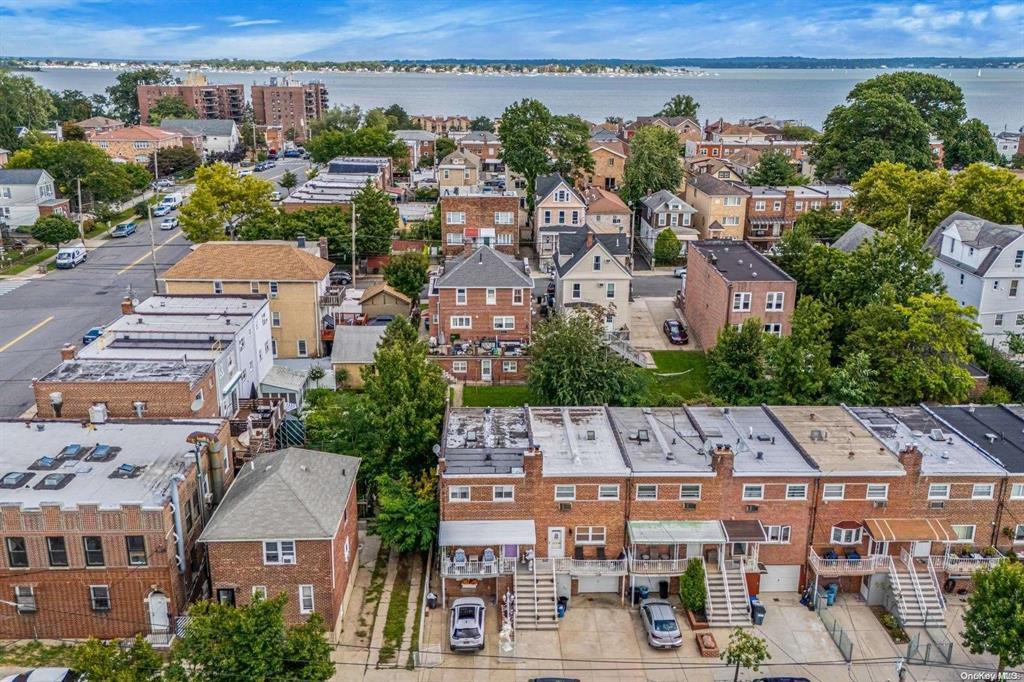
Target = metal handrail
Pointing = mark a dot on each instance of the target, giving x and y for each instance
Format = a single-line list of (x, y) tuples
[(897, 589), (500, 565), (867, 564), (743, 579), (725, 586), (908, 559), (589, 566), (658, 566), (937, 586), (708, 607)]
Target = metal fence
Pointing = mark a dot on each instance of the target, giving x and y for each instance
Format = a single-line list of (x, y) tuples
[(835, 630), (938, 650)]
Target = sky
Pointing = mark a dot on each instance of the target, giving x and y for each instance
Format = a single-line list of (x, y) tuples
[(512, 29)]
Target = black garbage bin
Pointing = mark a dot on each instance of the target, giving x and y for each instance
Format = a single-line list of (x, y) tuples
[(663, 589), (757, 613), (431, 601)]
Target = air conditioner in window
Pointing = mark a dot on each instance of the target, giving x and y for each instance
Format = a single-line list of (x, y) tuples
[(208, 498), (565, 506), (937, 504), (881, 504), (690, 506), (751, 508)]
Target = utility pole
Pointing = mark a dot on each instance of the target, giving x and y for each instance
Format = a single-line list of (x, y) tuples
[(353, 243), (81, 219), (152, 236)]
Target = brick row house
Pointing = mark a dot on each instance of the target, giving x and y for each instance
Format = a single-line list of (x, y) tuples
[(610, 158), (475, 218), (772, 211), (889, 502)]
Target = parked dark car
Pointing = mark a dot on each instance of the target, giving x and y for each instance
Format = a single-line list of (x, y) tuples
[(293, 154), (341, 277), (381, 321), (92, 335), (675, 332), (123, 230)]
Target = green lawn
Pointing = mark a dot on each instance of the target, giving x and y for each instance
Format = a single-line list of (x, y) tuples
[(498, 396), (688, 370), (23, 264)]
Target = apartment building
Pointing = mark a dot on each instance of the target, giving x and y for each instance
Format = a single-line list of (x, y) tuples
[(136, 144), (981, 264), (288, 526), (205, 99), (476, 218), (27, 195), (610, 158), (291, 280), (419, 144), (729, 282), (292, 106), (721, 207), (459, 172), (442, 125), (486, 146), (559, 208), (100, 524)]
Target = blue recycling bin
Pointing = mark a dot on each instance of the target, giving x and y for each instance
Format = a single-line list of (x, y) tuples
[(563, 604), (830, 593)]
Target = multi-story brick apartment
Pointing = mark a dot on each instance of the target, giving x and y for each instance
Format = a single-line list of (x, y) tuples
[(481, 316), (730, 282), (661, 211), (772, 211), (593, 273), (606, 212), (442, 125), (288, 526), (293, 106), (136, 144), (476, 218), (205, 99), (419, 143), (27, 194), (721, 207), (293, 280), (795, 149), (609, 163), (559, 208), (486, 146), (100, 521)]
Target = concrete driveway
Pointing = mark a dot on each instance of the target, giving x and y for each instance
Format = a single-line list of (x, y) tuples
[(646, 315)]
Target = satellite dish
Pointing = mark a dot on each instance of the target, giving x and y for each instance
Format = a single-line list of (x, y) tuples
[(196, 404), (436, 449)]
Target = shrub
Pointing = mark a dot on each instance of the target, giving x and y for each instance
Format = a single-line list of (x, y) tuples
[(691, 587)]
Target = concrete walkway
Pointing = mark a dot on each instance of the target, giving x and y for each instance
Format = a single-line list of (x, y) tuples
[(415, 590), (377, 639)]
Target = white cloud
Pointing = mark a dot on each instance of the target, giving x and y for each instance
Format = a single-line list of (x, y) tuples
[(255, 22)]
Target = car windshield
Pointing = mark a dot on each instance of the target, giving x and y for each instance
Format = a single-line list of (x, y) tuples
[(466, 633), (665, 626)]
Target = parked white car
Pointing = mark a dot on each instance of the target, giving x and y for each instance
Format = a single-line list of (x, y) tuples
[(169, 223), (466, 626)]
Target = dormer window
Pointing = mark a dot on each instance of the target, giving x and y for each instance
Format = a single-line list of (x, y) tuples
[(561, 196)]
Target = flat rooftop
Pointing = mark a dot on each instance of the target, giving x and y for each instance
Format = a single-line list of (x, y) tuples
[(576, 441), (158, 448), (203, 304), (175, 324), (485, 440), (661, 441), (836, 441), (943, 451), (996, 429), (97, 370), (760, 447), (738, 261)]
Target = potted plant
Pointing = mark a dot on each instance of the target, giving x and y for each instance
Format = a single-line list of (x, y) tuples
[(693, 595)]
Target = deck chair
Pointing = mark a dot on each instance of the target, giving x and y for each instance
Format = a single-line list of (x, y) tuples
[(459, 559), (490, 561)]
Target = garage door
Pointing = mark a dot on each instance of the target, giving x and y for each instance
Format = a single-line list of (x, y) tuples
[(599, 583), (781, 579)]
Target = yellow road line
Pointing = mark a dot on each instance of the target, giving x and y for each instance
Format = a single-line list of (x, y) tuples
[(147, 254), (19, 338)]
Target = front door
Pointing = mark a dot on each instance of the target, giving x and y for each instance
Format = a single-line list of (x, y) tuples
[(922, 549), (556, 543), (159, 619), (485, 369)]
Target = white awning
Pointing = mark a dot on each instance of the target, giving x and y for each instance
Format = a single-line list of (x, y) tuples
[(455, 533), (675, 532)]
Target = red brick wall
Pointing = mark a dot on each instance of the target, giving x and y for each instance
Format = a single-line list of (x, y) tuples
[(480, 210), (443, 306), (498, 373), (164, 399)]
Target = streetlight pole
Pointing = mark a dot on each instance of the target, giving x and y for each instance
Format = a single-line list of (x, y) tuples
[(152, 236), (81, 219), (353, 242)]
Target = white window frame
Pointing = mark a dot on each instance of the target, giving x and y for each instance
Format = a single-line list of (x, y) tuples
[(498, 493), (608, 491), (505, 323), (741, 301), (459, 367), (870, 494), (517, 297), (748, 490), (792, 488), (973, 534), (283, 554), (590, 535), (1018, 534), (218, 286), (509, 366), (1017, 491), (502, 217), (983, 496), (938, 491), (774, 300), (273, 289), (93, 597), (455, 217), (460, 322), (577, 291), (460, 297), (565, 493), (596, 263), (303, 609), (828, 491), (491, 296), (686, 491), (275, 318), (254, 287), (846, 536), (610, 290), (455, 493), (774, 328), (301, 348), (650, 491), (783, 534), (260, 590)]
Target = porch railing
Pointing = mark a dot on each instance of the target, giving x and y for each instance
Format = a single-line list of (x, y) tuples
[(658, 566), (590, 566), (956, 565), (478, 567), (871, 563)]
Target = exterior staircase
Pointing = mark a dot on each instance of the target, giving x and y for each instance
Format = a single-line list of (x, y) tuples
[(535, 601), (728, 603), (919, 601)]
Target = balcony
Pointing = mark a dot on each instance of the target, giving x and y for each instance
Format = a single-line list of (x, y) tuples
[(839, 566), (487, 347), (658, 567), (954, 565), (577, 567), (477, 568)]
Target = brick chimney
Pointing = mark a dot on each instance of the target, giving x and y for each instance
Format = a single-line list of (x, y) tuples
[(127, 307), (68, 351), (322, 245), (910, 457), (722, 460), (590, 240)]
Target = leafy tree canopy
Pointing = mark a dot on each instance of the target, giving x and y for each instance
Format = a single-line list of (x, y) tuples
[(482, 123), (972, 142), (443, 146), (222, 201), (825, 224), (54, 229), (407, 511), (175, 161), (22, 103), (939, 101), (123, 94), (569, 148), (994, 194), (994, 620), (791, 131), (338, 118), (72, 105), (98, 660), (171, 106), (653, 164), (103, 181), (666, 247), (407, 272), (376, 221), (366, 141), (525, 138), (680, 105), (889, 191), (775, 168)]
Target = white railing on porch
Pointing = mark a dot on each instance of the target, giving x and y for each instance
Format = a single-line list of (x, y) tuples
[(477, 567), (956, 565), (658, 566), (936, 585), (590, 566), (831, 567)]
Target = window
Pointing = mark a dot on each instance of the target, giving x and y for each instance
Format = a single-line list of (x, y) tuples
[(1018, 259), (730, 220), (1020, 319), (1017, 491), (773, 328), (459, 366), (99, 597), (226, 596), (504, 322), (505, 238), (461, 322), (273, 347), (877, 491), (503, 218), (279, 551), (833, 491), (300, 346), (93, 550), (982, 491), (999, 320), (741, 301), (17, 553), (577, 290), (732, 201), (938, 491), (517, 297), (25, 597), (218, 287), (963, 532), (1018, 534), (689, 491), (610, 290), (492, 296), (597, 263), (565, 492), (547, 217), (57, 552), (846, 536), (776, 205), (607, 492), (460, 297), (272, 286), (995, 283), (590, 535), (305, 599), (275, 319), (254, 288), (458, 493), (753, 492), (509, 366), (961, 278), (455, 217), (798, 206), (778, 535), (647, 491), (259, 591), (662, 219), (1013, 288), (575, 217), (136, 545), (561, 196), (504, 493), (561, 217), (759, 205), (796, 491), (454, 237), (774, 300)]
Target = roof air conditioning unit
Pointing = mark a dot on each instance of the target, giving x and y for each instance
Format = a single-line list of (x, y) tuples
[(565, 506), (98, 413)]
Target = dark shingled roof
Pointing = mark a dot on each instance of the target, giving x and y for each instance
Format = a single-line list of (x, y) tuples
[(485, 267), (849, 241), (738, 261), (995, 429), (575, 244), (975, 232), (709, 184), (546, 184), (19, 176)]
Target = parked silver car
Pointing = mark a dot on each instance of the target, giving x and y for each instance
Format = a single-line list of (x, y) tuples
[(660, 622), (466, 627)]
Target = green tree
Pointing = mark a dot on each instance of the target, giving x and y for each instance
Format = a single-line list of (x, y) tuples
[(792, 131), (175, 161), (102, 180), (666, 247), (443, 146), (653, 164), (994, 619), (73, 132), (54, 229), (376, 221), (972, 142), (938, 101), (71, 105), (98, 660), (800, 364), (889, 191), (407, 511), (692, 592), (221, 202), (366, 141), (994, 194), (482, 123), (894, 264), (288, 181), (170, 106), (123, 94), (407, 272), (876, 127), (572, 364), (775, 168), (569, 149), (338, 118), (398, 118), (22, 103), (807, 260), (852, 382), (738, 364), (525, 137), (745, 651), (138, 177), (680, 105), (825, 224)]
